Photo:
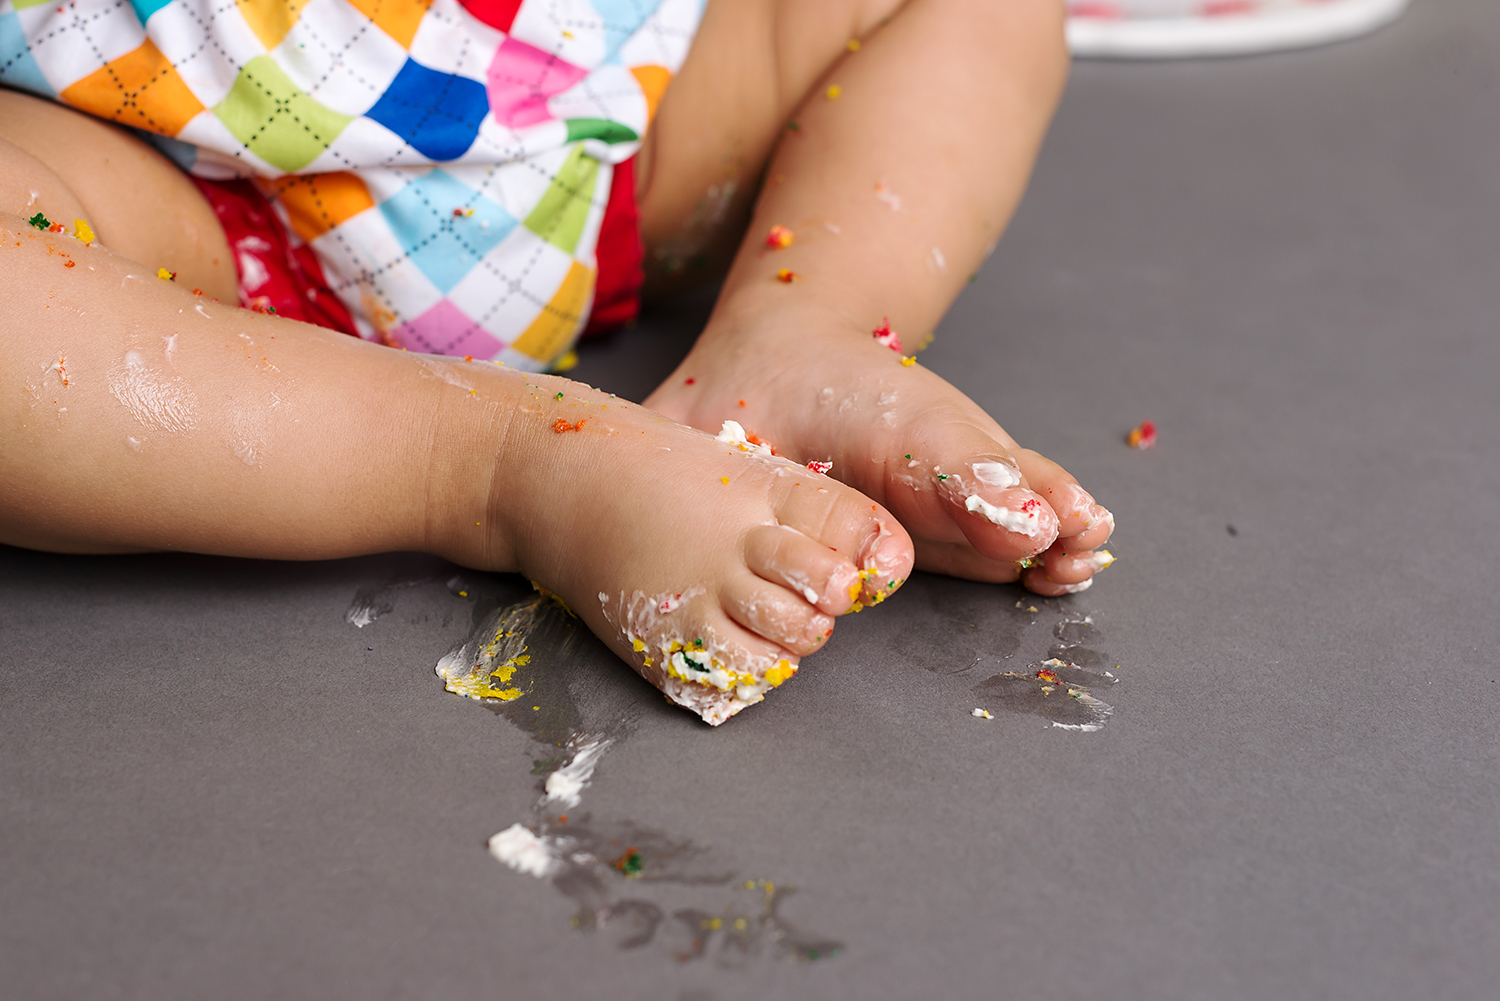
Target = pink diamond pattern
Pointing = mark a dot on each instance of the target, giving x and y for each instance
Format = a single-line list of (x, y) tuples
[(447, 330), (521, 78)]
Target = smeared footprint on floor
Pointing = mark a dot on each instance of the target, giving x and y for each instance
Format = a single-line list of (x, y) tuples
[(638, 885), (1060, 688)]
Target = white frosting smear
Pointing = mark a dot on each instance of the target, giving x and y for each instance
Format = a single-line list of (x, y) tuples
[(523, 851), (1024, 522), (1099, 560), (732, 433), (566, 785)]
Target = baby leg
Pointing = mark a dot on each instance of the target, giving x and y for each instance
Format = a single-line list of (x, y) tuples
[(900, 137), (142, 415)]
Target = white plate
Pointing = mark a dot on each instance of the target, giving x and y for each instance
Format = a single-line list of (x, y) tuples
[(1152, 29)]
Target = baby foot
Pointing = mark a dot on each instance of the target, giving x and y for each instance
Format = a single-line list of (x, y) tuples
[(710, 565), (976, 503)]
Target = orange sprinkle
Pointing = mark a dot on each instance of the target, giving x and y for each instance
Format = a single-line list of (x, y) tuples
[(560, 425), (786, 276), (742, 403), (68, 264)]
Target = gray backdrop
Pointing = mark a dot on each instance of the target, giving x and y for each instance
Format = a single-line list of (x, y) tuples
[(214, 785)]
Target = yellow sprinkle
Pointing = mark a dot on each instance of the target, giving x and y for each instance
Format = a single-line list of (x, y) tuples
[(783, 670), (535, 708), (739, 923), (567, 34), (83, 230), (852, 45), (165, 275), (648, 662), (749, 884), (908, 361), (834, 91), (567, 361), (637, 646), (463, 594), (716, 924), (724, 480)]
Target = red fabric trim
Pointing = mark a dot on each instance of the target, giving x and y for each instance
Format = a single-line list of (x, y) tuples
[(617, 291), (274, 275)]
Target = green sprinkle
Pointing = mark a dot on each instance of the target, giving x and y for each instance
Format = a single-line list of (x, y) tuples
[(39, 221), (630, 864), (942, 476), (908, 455), (559, 396), (794, 126), (698, 642)]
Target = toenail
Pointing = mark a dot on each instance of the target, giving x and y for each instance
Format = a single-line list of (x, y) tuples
[(996, 474)]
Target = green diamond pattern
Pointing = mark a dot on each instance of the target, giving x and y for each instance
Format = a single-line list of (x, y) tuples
[(558, 218), (275, 119)]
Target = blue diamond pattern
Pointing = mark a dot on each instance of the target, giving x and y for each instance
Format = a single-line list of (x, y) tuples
[(145, 8), (445, 246), (622, 18), (17, 67), (438, 113)]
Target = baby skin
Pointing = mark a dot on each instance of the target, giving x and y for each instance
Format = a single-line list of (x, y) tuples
[(143, 416), (882, 194)]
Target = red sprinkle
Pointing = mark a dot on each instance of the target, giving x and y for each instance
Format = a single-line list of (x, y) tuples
[(884, 335), (786, 276), (689, 381), (820, 467), (1142, 436)]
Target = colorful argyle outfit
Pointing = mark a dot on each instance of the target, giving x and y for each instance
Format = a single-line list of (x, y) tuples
[(447, 161)]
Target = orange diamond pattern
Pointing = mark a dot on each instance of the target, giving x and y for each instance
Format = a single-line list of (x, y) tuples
[(139, 89)]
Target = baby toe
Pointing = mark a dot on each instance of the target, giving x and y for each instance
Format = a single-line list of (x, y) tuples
[(1093, 536), (783, 555), (1063, 567), (854, 529), (774, 613)]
